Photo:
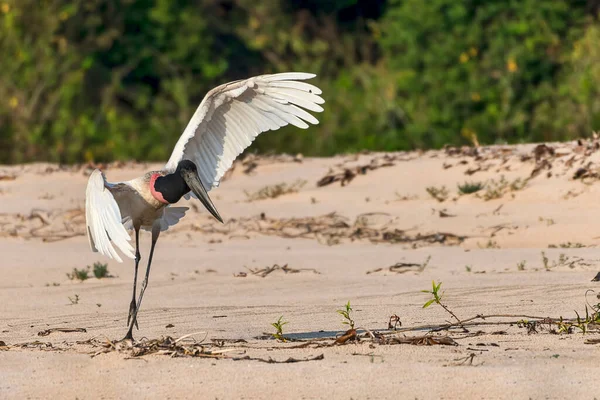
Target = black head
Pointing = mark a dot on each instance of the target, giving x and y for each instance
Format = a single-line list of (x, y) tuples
[(183, 180), (170, 187), (186, 165)]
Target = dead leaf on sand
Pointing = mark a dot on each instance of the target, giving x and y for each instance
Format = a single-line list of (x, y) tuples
[(345, 174), (350, 334)]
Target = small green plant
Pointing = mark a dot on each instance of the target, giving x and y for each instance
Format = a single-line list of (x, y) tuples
[(468, 268), (437, 299), (531, 326), (435, 291), (521, 265), (74, 299), (79, 274), (470, 187), (581, 323), (591, 318), (440, 194), (101, 270), (346, 314), (278, 325)]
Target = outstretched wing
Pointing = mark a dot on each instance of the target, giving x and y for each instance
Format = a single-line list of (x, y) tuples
[(103, 220), (171, 216), (231, 116)]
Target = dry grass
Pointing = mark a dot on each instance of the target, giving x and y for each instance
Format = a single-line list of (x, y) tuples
[(274, 191)]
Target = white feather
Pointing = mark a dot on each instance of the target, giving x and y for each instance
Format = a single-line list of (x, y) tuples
[(231, 116), (103, 220)]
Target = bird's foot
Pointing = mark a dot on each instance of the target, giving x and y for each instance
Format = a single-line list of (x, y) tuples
[(132, 308), (125, 343)]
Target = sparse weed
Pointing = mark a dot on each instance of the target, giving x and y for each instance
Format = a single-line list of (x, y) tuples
[(491, 244), (74, 299), (545, 262), (521, 265), (101, 270), (495, 189), (549, 221), (470, 187), (518, 184), (468, 268), (435, 291), (274, 191), (278, 325), (562, 260), (567, 245), (566, 326), (79, 274), (437, 299), (530, 325), (346, 314), (440, 194), (405, 197), (581, 323)]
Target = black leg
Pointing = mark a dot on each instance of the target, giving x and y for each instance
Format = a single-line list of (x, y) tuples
[(155, 233), (132, 305)]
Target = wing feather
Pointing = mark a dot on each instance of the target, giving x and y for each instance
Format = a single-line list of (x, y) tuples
[(306, 87), (103, 220), (232, 115)]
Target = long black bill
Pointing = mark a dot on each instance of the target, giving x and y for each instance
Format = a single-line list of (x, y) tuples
[(192, 179)]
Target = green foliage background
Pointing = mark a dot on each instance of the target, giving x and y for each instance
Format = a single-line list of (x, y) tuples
[(118, 79)]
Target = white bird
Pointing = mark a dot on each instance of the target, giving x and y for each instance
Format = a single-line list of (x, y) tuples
[(227, 120)]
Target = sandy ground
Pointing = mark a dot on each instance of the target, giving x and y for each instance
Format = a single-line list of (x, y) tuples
[(524, 245)]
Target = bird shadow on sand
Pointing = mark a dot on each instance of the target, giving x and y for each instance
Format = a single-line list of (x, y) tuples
[(313, 335)]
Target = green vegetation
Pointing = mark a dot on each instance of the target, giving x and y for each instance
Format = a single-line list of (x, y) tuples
[(79, 274), (278, 325), (495, 189), (440, 194), (346, 313), (470, 187), (437, 299), (101, 270), (118, 79)]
